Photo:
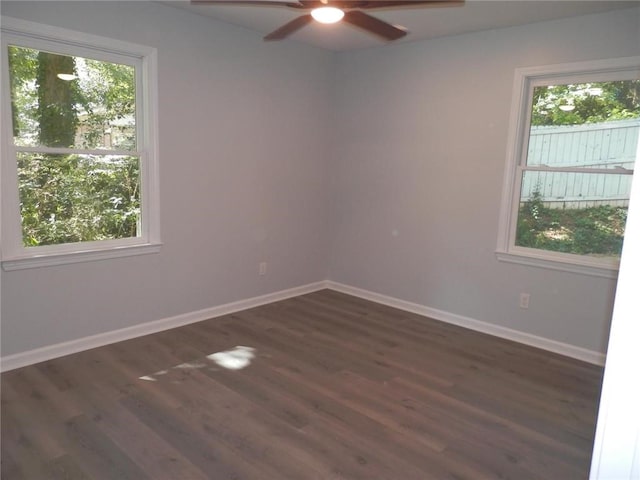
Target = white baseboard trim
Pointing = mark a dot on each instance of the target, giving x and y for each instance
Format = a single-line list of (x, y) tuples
[(566, 349), (11, 362)]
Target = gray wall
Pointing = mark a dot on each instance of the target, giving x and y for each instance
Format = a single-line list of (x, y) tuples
[(243, 178), (414, 120), (246, 176)]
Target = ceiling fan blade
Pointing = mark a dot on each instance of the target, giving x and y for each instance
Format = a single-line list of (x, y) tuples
[(343, 4), (407, 3), (288, 28), (373, 25), (263, 3), (366, 4)]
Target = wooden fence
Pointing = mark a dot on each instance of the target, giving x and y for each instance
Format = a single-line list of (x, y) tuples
[(611, 146)]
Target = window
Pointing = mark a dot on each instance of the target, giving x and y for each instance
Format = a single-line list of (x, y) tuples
[(570, 161), (79, 174)]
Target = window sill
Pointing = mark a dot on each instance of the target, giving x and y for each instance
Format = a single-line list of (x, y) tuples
[(50, 260), (542, 261)]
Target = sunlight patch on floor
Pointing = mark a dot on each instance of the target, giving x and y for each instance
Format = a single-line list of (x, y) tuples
[(236, 358), (190, 365)]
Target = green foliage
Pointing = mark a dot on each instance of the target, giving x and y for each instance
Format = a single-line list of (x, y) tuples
[(23, 64), (595, 231), (74, 198), (592, 102), (108, 100)]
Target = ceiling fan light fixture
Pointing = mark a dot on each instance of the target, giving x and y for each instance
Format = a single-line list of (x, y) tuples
[(327, 14)]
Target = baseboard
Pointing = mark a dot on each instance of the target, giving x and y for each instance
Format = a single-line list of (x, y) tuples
[(11, 362), (566, 349), (37, 355)]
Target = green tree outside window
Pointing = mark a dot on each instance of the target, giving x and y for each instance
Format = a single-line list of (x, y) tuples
[(74, 127)]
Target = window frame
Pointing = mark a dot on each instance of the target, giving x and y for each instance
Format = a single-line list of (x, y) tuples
[(525, 79), (15, 255)]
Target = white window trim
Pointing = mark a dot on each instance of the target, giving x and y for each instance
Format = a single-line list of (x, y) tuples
[(524, 80), (14, 255)]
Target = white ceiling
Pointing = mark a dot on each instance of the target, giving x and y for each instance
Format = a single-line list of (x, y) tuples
[(422, 23)]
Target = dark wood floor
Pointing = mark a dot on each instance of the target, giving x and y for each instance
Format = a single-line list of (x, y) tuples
[(340, 388)]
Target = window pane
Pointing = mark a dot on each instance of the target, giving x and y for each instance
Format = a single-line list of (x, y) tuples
[(587, 125), (609, 144), (579, 213), (576, 129), (78, 198), (580, 103), (71, 102)]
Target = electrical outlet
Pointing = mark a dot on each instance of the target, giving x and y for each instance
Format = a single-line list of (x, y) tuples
[(262, 268), (524, 300)]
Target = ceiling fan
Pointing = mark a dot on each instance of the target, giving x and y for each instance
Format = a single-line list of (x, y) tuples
[(332, 11)]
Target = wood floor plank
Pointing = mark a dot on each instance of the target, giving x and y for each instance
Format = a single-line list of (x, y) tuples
[(335, 388), (99, 455), (66, 468), (155, 456), (25, 428), (206, 455), (9, 467)]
